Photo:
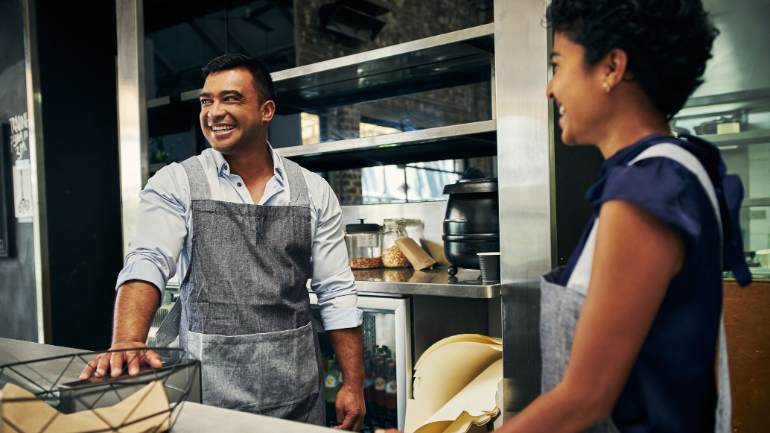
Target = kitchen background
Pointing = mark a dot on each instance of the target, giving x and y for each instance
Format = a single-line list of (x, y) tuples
[(56, 285)]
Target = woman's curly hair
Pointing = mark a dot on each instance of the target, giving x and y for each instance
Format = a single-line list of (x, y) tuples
[(667, 41)]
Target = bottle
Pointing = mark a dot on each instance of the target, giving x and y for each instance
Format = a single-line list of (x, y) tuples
[(332, 384), (380, 381), (391, 395), (368, 388)]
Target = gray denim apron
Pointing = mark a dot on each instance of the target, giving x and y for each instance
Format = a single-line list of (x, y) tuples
[(243, 308), (560, 306)]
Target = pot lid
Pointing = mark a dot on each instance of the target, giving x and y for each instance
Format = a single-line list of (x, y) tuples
[(470, 186), (362, 228)]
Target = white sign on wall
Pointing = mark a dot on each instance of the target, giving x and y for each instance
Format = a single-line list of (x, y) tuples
[(22, 175), (19, 137), (22, 191)]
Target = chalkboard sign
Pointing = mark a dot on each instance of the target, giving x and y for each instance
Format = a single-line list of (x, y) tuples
[(5, 194)]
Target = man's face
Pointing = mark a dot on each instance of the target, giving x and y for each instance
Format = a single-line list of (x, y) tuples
[(232, 111)]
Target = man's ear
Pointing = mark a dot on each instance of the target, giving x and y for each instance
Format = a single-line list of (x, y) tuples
[(267, 110)]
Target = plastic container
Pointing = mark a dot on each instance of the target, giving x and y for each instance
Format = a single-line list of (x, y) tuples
[(363, 242)]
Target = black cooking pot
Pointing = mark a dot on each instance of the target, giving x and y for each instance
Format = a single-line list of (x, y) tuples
[(471, 222)]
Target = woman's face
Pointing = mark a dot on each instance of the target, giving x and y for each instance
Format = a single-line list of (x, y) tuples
[(577, 90)]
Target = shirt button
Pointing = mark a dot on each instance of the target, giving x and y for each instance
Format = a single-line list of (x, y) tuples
[(240, 184), (225, 166)]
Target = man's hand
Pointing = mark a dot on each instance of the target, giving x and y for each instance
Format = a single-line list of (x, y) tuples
[(350, 398), (350, 408), (134, 306), (134, 355)]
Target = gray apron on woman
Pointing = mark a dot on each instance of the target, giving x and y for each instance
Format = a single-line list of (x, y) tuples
[(560, 306), (244, 310)]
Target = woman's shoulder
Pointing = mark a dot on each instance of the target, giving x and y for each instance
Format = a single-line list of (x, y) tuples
[(662, 186)]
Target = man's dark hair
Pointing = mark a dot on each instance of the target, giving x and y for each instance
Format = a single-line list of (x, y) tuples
[(263, 82), (668, 42)]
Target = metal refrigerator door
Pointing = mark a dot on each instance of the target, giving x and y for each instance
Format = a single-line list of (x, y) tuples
[(392, 327)]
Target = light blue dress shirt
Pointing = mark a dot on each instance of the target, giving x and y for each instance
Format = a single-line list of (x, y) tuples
[(163, 237)]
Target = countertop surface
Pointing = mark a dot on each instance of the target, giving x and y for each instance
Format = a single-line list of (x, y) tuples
[(193, 417), (407, 281)]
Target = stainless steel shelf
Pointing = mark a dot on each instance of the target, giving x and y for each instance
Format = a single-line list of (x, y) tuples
[(158, 102), (390, 140), (739, 138), (726, 98), (450, 59), (465, 140), (756, 202), (407, 281)]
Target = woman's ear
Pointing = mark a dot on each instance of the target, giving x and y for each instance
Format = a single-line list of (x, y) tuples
[(615, 68)]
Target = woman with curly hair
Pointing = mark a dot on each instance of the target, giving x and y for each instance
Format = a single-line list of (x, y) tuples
[(630, 327)]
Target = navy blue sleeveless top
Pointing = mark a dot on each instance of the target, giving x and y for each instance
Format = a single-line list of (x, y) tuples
[(672, 385)]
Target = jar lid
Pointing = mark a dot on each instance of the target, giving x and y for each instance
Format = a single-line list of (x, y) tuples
[(470, 186), (362, 228)]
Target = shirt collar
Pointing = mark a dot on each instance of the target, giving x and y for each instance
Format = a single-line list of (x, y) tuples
[(279, 171)]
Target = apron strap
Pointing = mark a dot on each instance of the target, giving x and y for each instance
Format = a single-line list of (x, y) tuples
[(297, 186), (672, 151), (168, 330), (691, 163), (196, 178)]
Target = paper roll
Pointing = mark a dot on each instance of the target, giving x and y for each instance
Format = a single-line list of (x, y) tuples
[(455, 385)]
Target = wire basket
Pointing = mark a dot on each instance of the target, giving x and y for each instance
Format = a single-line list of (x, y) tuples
[(92, 402)]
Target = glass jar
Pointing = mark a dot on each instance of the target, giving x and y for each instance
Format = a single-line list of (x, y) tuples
[(363, 242), (394, 229)]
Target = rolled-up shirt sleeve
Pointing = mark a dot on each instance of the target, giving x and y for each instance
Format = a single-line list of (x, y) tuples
[(161, 229), (332, 279)]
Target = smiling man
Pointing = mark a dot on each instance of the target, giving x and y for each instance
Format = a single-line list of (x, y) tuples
[(247, 229)]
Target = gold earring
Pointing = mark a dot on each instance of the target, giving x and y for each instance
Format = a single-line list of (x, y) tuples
[(606, 87)]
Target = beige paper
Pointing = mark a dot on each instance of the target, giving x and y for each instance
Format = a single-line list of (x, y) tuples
[(37, 416), (436, 250), (493, 342), (416, 255), (450, 368), (444, 370), (475, 405)]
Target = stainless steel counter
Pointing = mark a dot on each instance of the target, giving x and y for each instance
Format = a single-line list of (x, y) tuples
[(193, 417), (407, 281), (196, 418)]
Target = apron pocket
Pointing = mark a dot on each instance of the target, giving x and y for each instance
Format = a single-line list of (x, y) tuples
[(257, 371)]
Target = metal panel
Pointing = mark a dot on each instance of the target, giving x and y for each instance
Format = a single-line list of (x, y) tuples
[(521, 345), (132, 112), (37, 173), (525, 188)]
